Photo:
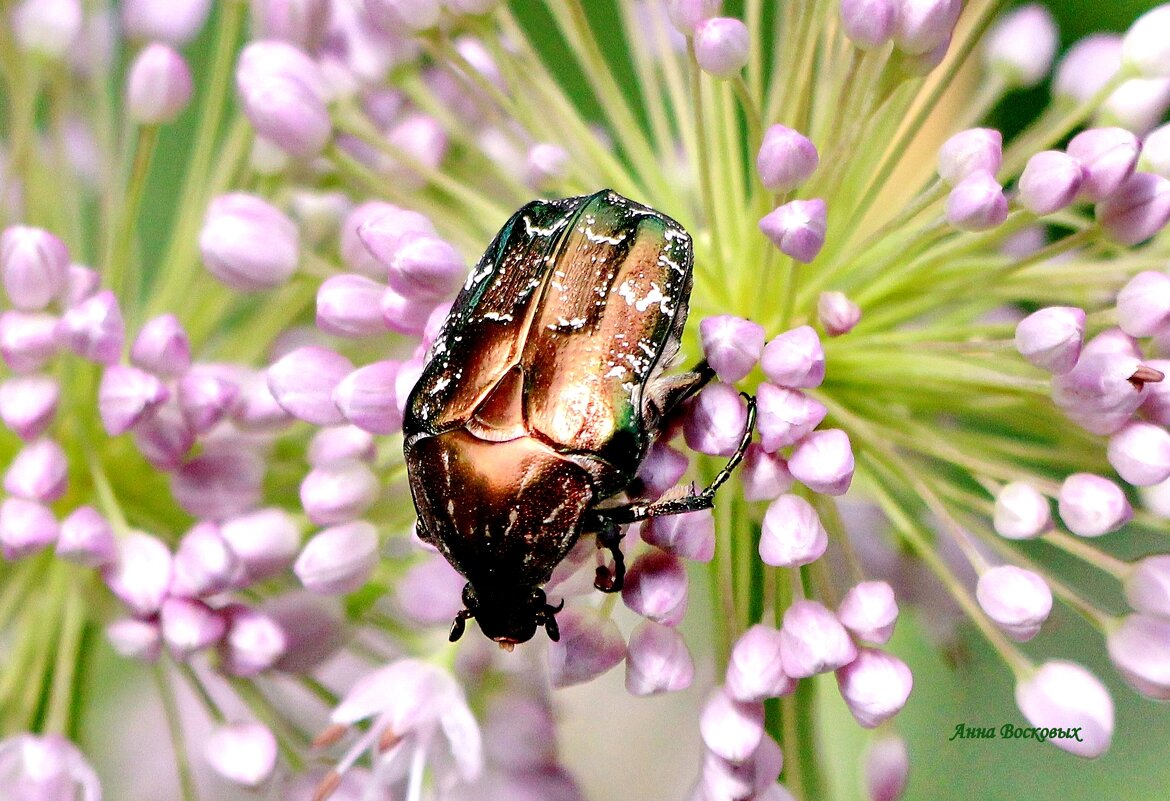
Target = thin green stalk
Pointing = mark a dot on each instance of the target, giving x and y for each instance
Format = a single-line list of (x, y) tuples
[(116, 265), (166, 692)]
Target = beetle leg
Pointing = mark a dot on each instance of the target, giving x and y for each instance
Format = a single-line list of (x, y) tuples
[(547, 618), (459, 624), (610, 537)]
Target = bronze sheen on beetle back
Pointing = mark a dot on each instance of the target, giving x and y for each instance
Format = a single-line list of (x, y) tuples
[(541, 396)]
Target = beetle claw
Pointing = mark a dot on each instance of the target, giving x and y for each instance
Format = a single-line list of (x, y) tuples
[(458, 625)]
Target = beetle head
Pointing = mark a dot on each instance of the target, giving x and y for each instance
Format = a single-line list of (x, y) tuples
[(508, 618)]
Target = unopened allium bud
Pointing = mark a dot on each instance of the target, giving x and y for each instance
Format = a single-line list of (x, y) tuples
[(34, 265), (797, 228), (870, 611), (690, 535), (657, 660), (248, 244), (923, 25), (404, 315), (159, 86), (656, 588), (754, 671), (135, 639), (86, 538), (969, 152), (314, 628), (785, 416), (426, 268), (408, 375), (27, 340), (589, 646), (339, 559), (1146, 46), (265, 542), (731, 729), (813, 641), (795, 359), (837, 313), (1017, 600), (722, 46), (176, 21), (1140, 453), (1140, 648), (429, 594), (1051, 338), (764, 475), (28, 404), (787, 159), (302, 22), (1021, 512), (1021, 45), (93, 329), (792, 534), (303, 382), (188, 626), (685, 15), (1102, 390), (886, 768), (715, 421), (823, 462), (80, 283), (1050, 182), (25, 528), (1107, 157), (1143, 304), (283, 93), (1147, 588), (921, 64), (254, 641), (404, 16), (39, 472), (547, 164), (164, 438), (340, 443), (141, 576), (338, 492), (875, 686), (732, 345), (243, 753), (662, 468), (366, 397), (47, 27), (1065, 695), (977, 203), (374, 231), (752, 778), (1116, 343), (162, 347), (1091, 505), (222, 481), (127, 396), (868, 23), (206, 396), (1139, 209), (1155, 155)]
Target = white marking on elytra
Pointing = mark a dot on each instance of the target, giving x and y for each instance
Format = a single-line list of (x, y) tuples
[(535, 230), (498, 316), (593, 236)]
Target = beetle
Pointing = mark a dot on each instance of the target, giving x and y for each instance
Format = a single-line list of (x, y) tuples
[(540, 397)]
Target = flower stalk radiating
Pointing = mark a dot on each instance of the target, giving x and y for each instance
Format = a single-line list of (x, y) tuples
[(203, 454)]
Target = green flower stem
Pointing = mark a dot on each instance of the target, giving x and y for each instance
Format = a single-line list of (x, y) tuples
[(703, 156), (649, 85), (63, 694), (18, 580), (166, 692), (830, 516), (249, 342), (121, 275), (196, 685), (318, 690), (751, 112), (1099, 559), (290, 740), (753, 18)]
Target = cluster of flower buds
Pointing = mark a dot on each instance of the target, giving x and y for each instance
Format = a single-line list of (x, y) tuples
[(786, 160)]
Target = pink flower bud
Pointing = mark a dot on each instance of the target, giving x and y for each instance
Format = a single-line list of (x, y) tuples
[(787, 159), (372, 233), (243, 753), (34, 265), (1051, 338), (870, 611), (249, 244), (27, 340), (753, 778), (589, 646), (189, 626), (80, 283), (204, 563), (87, 539), (921, 64), (339, 559), (1021, 512), (135, 639), (314, 629), (1017, 600), (1021, 45), (39, 472), (254, 642), (813, 641), (430, 592), (49, 28), (28, 404), (657, 661), (764, 475), (662, 469), (970, 152), (837, 313), (1050, 182), (221, 482), (159, 86), (408, 375), (349, 306), (127, 396), (404, 16), (1140, 648), (366, 398), (1098, 393), (755, 672), (795, 359), (722, 46), (1146, 45), (206, 396), (731, 729), (925, 24), (1065, 695), (785, 416), (547, 164), (1143, 304), (1155, 154), (732, 345), (875, 686), (265, 542), (421, 138), (1107, 156), (886, 768), (141, 576), (656, 588), (301, 22), (404, 315), (792, 534), (1147, 588), (340, 443), (797, 228), (823, 462), (1137, 210), (162, 347), (1140, 453), (173, 22), (93, 329), (338, 492), (25, 528), (977, 203), (283, 93), (686, 15), (303, 382), (868, 23), (690, 535), (1091, 505), (715, 421), (426, 268)]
